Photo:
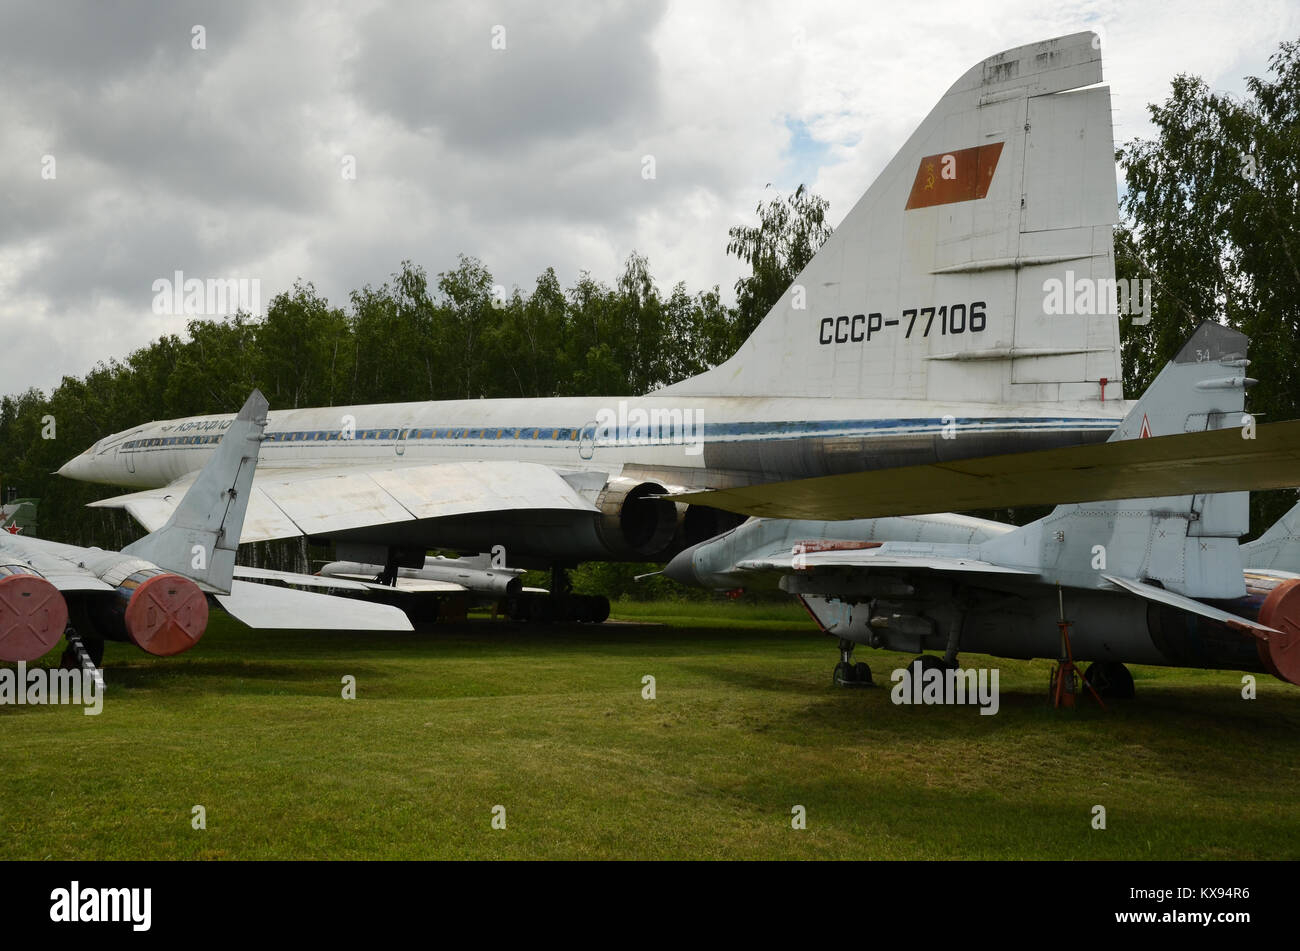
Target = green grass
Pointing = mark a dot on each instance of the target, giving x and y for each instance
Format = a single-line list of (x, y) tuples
[(551, 724)]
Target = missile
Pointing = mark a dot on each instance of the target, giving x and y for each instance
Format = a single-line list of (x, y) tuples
[(501, 582), (33, 614)]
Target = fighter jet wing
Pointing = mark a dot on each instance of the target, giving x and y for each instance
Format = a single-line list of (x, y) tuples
[(1192, 463), (286, 503), (58, 564)]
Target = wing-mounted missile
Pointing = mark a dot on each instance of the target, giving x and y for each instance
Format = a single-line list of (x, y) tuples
[(475, 575), (33, 614)]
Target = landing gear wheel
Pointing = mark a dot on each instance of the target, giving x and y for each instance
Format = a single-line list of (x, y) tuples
[(1111, 680), (599, 611), (849, 674)]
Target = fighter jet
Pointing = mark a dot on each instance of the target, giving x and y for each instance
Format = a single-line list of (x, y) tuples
[(154, 592), (1149, 581), (926, 309)]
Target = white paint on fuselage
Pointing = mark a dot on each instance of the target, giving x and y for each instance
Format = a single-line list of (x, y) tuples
[(555, 432)]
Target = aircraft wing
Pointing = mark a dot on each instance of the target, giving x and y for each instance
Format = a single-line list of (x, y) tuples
[(269, 608), (57, 563), (1192, 463), (286, 503)]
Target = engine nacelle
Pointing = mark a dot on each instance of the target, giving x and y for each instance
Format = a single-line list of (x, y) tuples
[(1272, 599), (633, 525), (160, 612), (33, 614)]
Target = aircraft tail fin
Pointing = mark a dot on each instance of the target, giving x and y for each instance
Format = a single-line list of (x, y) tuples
[(1277, 548), (19, 517), (978, 267), (201, 537), (1186, 543)]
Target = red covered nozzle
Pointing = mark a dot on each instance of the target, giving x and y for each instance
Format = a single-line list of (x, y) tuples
[(33, 616), (1281, 652), (167, 614)]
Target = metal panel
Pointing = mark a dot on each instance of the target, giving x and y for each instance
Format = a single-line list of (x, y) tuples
[(460, 488)]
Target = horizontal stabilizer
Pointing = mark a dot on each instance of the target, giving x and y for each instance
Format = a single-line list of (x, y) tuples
[(1184, 603), (270, 608), (1182, 464)]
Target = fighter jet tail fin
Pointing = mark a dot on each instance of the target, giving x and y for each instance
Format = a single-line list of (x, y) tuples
[(1187, 543), (201, 537), (979, 265), (1277, 548)]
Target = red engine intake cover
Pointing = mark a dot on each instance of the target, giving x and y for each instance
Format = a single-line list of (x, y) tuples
[(33, 616), (1281, 652), (167, 615)]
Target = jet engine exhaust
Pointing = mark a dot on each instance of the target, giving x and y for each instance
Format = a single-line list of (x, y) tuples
[(1281, 610), (162, 613), (33, 614)]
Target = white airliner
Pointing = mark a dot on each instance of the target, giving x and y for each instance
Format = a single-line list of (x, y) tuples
[(920, 333)]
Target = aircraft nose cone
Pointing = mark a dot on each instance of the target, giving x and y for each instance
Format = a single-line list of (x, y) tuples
[(682, 566), (74, 468)]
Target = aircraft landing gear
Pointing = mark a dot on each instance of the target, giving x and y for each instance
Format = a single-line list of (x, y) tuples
[(847, 673), (81, 652), (560, 605), (1110, 679)]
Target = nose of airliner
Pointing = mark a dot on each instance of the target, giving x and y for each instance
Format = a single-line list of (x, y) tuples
[(78, 467)]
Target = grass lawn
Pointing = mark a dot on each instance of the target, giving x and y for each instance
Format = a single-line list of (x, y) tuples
[(550, 723)]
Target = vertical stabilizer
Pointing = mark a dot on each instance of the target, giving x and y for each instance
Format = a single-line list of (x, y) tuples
[(200, 539), (1187, 544), (1277, 548), (938, 284)]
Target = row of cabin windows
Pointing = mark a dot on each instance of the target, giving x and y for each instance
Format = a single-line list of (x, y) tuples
[(322, 435)]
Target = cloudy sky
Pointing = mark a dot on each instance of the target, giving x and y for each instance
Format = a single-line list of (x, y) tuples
[(126, 154)]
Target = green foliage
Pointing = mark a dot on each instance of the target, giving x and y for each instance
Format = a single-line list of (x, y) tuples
[(789, 232), (1212, 211)]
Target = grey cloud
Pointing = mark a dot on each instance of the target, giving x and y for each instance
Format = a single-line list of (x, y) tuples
[(566, 68)]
